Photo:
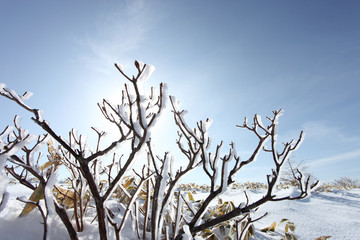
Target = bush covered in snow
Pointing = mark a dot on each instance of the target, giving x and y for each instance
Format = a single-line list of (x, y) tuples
[(151, 201), (343, 183)]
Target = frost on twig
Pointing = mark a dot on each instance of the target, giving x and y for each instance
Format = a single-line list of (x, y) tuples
[(12, 140), (134, 118), (21, 150), (150, 200), (198, 139)]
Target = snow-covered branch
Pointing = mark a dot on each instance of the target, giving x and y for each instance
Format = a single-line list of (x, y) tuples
[(264, 134), (94, 181)]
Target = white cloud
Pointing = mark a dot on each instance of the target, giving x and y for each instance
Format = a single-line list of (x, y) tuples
[(321, 130), (342, 157), (325, 137), (118, 32)]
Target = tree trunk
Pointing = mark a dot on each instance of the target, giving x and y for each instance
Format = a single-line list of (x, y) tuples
[(65, 219), (99, 202), (101, 220)]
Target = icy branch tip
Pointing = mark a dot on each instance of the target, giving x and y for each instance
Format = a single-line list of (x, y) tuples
[(27, 95), (119, 66), (280, 112)]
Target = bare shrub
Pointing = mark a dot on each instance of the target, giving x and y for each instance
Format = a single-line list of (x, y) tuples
[(151, 196), (347, 183), (290, 172)]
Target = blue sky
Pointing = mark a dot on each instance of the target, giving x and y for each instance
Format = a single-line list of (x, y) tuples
[(223, 60)]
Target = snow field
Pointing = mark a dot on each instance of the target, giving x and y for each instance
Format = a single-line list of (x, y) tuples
[(335, 213)]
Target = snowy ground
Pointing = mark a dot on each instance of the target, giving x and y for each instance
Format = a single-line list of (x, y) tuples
[(336, 214), (325, 213)]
